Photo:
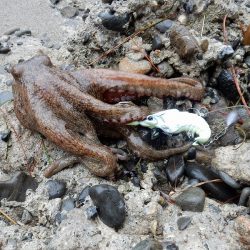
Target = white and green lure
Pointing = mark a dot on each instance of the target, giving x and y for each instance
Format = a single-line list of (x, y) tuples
[(173, 121)]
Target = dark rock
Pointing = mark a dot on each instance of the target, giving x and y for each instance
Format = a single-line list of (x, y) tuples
[(161, 178), (107, 1), (183, 222), (68, 204), (114, 22), (83, 195), (247, 61), (175, 169), (5, 135), (157, 43), (225, 84), (55, 1), (213, 94), (169, 245), (164, 25), (217, 190), (136, 181), (69, 11), (23, 32), (58, 218), (192, 199), (189, 6), (19, 43), (91, 212), (5, 96), (110, 205), (26, 217), (148, 244), (15, 188), (85, 37), (11, 31), (4, 49), (56, 189), (225, 52)]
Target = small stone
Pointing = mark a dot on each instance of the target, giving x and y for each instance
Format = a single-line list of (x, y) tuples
[(157, 43), (91, 212), (9, 82), (19, 43), (83, 195), (135, 56), (169, 245), (139, 67), (4, 49), (161, 178), (166, 69), (11, 31), (56, 46), (148, 244), (69, 11), (192, 199), (68, 204), (55, 1), (182, 19), (5, 135), (110, 205), (164, 25), (107, 1), (26, 217), (247, 61), (204, 45), (183, 222), (23, 32), (5, 96), (85, 37), (56, 189), (225, 52), (4, 39)]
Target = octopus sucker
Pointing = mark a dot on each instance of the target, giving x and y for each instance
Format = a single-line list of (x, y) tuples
[(68, 107)]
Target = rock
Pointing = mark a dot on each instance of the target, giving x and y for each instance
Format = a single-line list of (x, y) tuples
[(5, 96), (192, 199), (135, 56), (161, 178), (55, 1), (175, 169), (69, 11), (23, 32), (4, 39), (107, 1), (5, 135), (9, 82), (157, 43), (11, 31), (242, 226), (166, 69), (26, 217), (225, 84), (140, 67), (114, 22), (247, 61), (19, 43), (56, 189), (182, 19), (225, 52), (4, 49), (183, 222), (110, 205), (83, 195), (234, 162), (164, 25), (91, 212), (148, 244), (68, 204), (15, 188)]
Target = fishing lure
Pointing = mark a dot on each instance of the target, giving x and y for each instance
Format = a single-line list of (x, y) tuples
[(173, 121)]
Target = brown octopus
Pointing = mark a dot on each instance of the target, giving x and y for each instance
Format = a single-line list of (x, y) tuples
[(60, 105)]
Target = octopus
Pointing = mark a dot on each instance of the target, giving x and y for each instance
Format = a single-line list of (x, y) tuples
[(69, 108)]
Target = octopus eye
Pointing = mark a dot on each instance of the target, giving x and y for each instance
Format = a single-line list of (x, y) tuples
[(150, 118)]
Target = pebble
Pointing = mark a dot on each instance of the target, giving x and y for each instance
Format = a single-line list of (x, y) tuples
[(140, 67), (135, 56), (68, 204), (5, 96), (91, 212), (23, 32), (247, 61), (169, 245), (225, 52), (83, 195), (192, 199), (15, 188), (107, 1), (55, 1), (164, 25), (110, 205), (183, 222), (157, 43), (11, 31), (148, 244), (114, 22), (182, 19), (166, 69), (56, 189), (4, 49), (26, 217), (5, 135), (175, 169), (69, 11), (9, 82), (19, 43), (189, 6)]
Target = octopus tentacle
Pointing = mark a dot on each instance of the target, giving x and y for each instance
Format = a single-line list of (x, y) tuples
[(103, 82)]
